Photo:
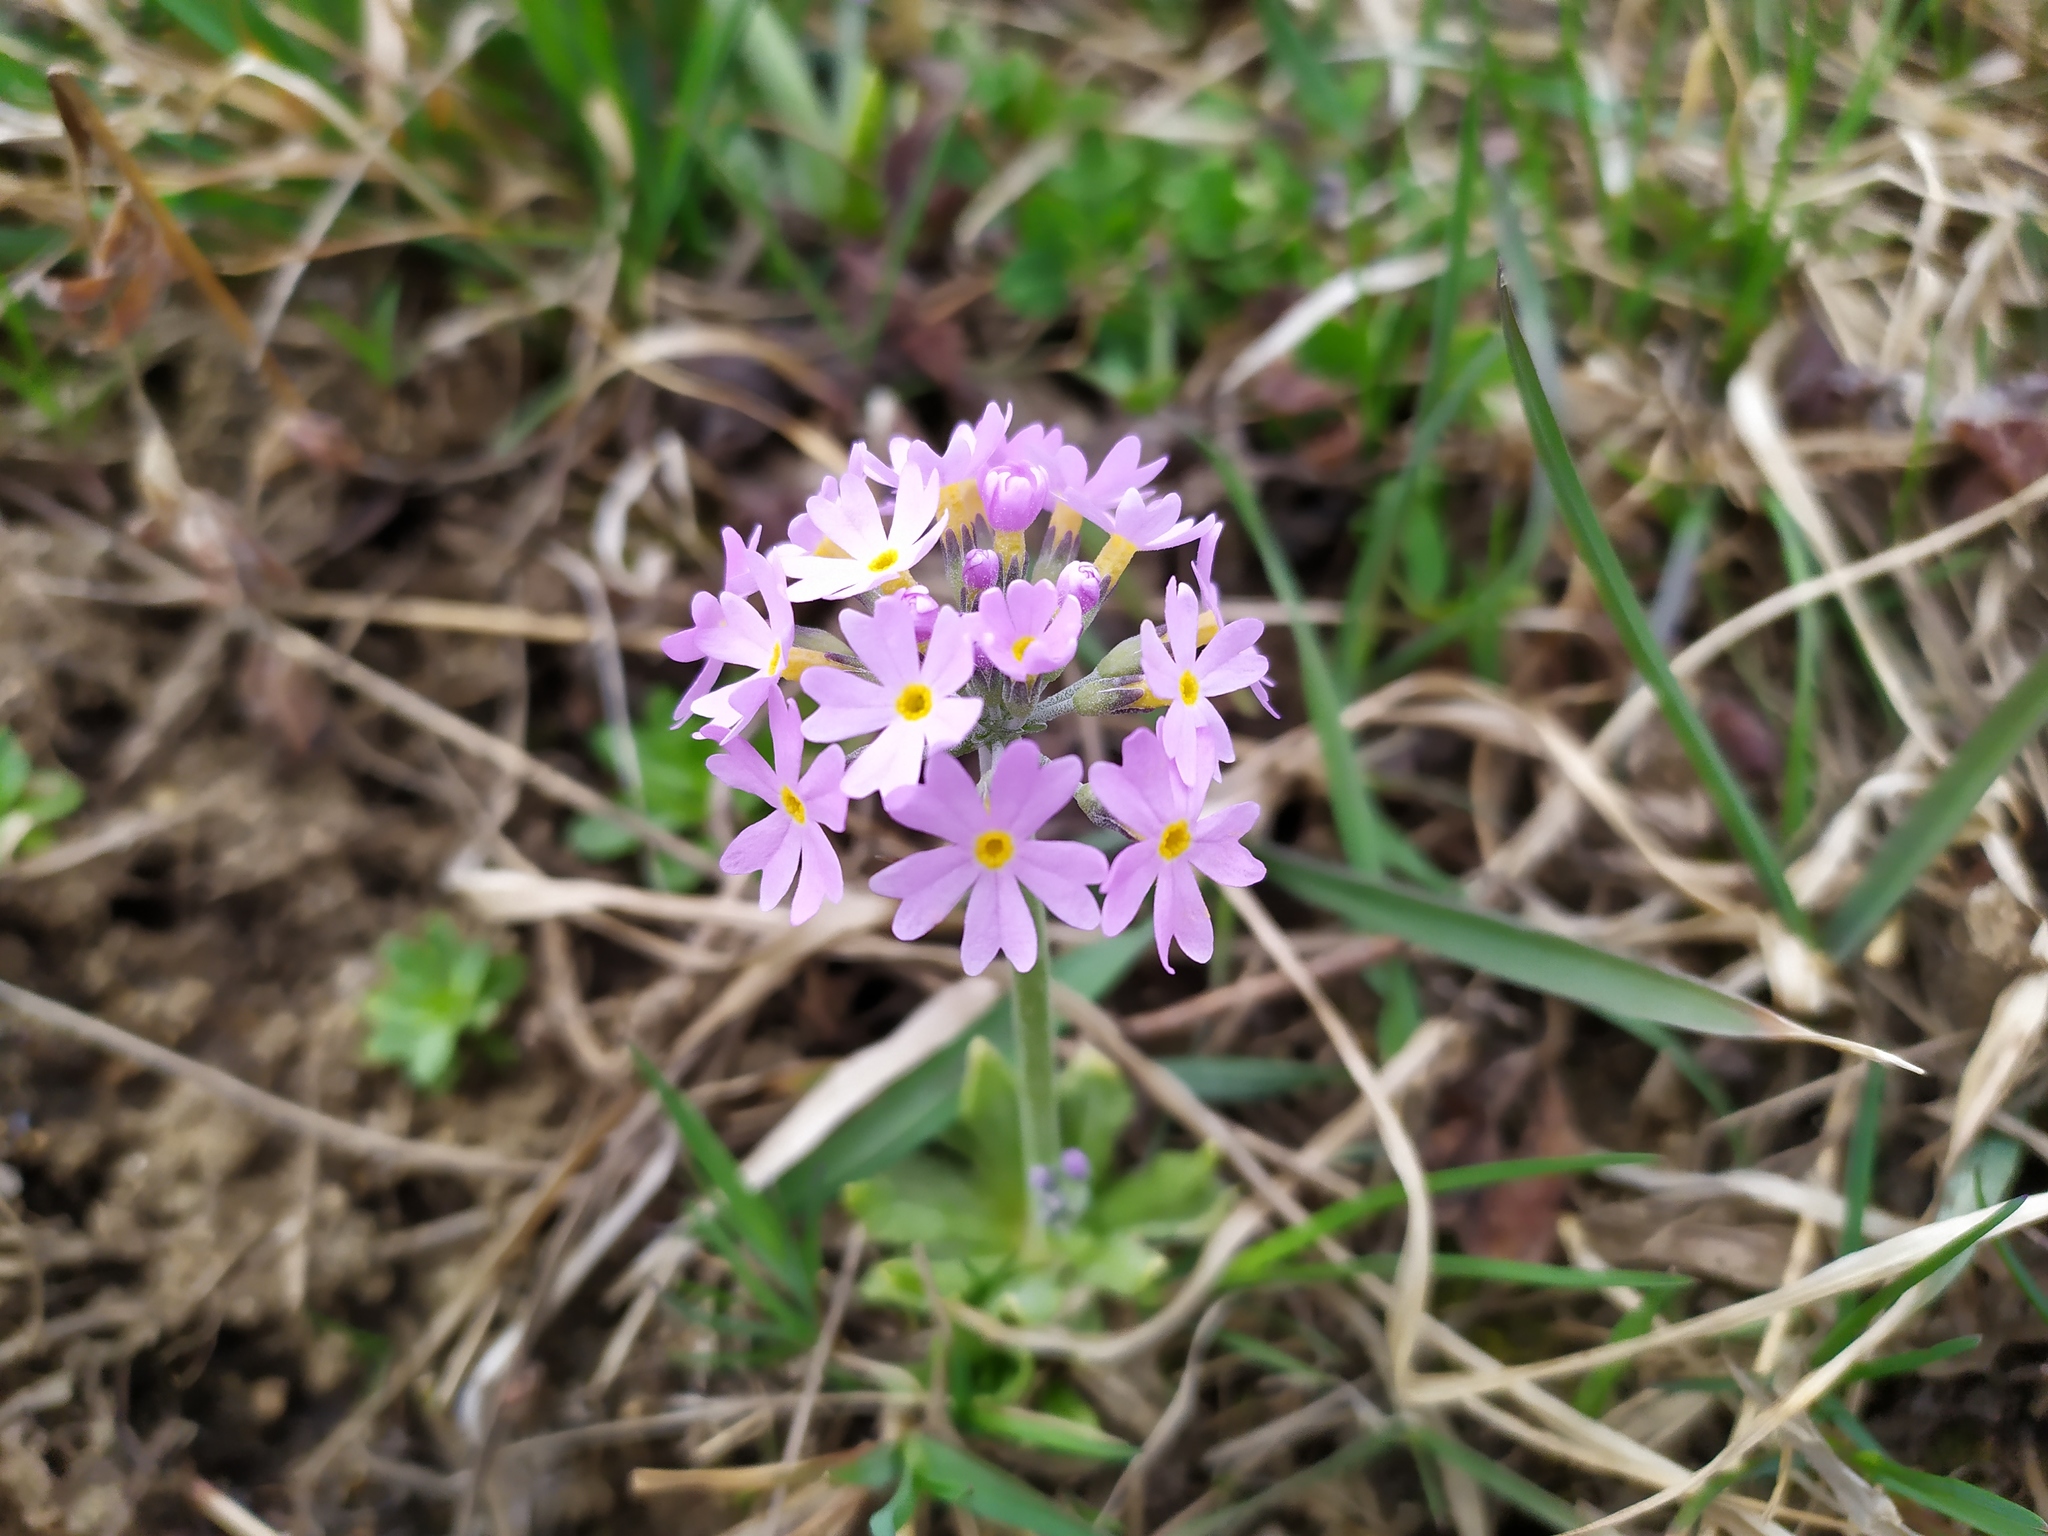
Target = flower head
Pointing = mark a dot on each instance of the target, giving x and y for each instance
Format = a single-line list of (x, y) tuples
[(1209, 532), (912, 701), (980, 569), (992, 856), (1187, 676), (729, 631), (1096, 496), (789, 843), (969, 451), (1028, 629), (1012, 495), (1082, 582), (1153, 524), (862, 555), (1150, 799)]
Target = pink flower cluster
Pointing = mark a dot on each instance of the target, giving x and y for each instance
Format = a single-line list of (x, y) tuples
[(929, 666)]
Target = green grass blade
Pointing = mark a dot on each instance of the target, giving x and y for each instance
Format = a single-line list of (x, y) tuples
[(1498, 1479), (2029, 1286), (1851, 1325), (1435, 408), (961, 1478), (1951, 1497), (1596, 1393), (1911, 1360), (1245, 1079), (1632, 625), (1795, 793), (1252, 1265), (1477, 1267), (1544, 962), (1939, 814), (1861, 1168), (1359, 827)]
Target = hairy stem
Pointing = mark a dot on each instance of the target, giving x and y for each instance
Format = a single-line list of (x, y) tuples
[(1038, 1110)]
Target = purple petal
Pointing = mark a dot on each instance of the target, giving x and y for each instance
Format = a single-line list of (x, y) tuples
[(890, 648), (1024, 793), (1179, 913), (1059, 875), (997, 918), (1162, 676), (1183, 615), (821, 880), (755, 846), (949, 722), (949, 656), (1223, 859), (1118, 788), (890, 762), (742, 767), (786, 730), (848, 705), (929, 884), (947, 804), (1130, 877)]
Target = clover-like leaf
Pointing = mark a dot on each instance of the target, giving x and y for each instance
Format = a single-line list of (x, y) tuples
[(434, 990)]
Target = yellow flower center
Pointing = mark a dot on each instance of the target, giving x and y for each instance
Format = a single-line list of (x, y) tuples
[(793, 806), (885, 561), (1173, 842), (993, 849), (1190, 689), (914, 702), (1023, 644), (775, 659)]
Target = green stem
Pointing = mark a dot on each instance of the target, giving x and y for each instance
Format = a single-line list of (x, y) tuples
[(1038, 1110)]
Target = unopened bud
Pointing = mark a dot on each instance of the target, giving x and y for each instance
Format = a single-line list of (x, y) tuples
[(1123, 659), (925, 612), (1074, 1164), (1040, 1178), (1098, 695), (1082, 582), (980, 569), (1013, 495)]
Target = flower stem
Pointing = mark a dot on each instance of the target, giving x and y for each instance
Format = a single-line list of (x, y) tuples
[(1038, 1109)]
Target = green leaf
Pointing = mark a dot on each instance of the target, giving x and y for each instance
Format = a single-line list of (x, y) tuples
[(1949, 1496), (1246, 1079), (934, 1201), (1096, 1103), (1170, 1194), (50, 795), (989, 1493), (1477, 1267), (1117, 1262), (1596, 1393), (14, 769), (1047, 1432), (1939, 814), (434, 990), (1545, 962), (1632, 626), (991, 1130), (600, 841)]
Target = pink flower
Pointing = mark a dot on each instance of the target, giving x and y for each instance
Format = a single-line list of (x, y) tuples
[(912, 701), (1175, 841), (1083, 583), (1154, 524), (1208, 533), (992, 858), (789, 843), (1187, 681), (1012, 495), (1028, 629), (729, 631), (969, 451), (1095, 497), (864, 556)]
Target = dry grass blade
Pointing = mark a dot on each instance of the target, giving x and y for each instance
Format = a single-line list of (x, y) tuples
[(336, 1135), (2007, 1051), (651, 1481)]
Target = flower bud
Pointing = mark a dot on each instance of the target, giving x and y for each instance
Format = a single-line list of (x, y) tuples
[(925, 612), (1074, 1164), (1122, 660), (1083, 582), (980, 569), (1098, 695), (1014, 494)]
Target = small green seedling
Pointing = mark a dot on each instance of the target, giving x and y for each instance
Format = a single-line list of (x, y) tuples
[(675, 788), (965, 1202), (435, 989), (374, 343), (32, 800)]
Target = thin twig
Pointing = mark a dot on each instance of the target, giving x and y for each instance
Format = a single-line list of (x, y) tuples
[(338, 1135)]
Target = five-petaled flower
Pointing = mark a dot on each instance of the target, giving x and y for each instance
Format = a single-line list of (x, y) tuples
[(992, 856), (1174, 842), (857, 554), (789, 843), (729, 631), (1185, 677), (1028, 629), (912, 701)]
